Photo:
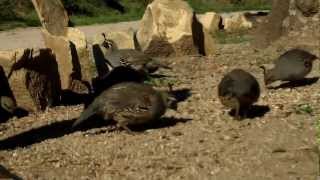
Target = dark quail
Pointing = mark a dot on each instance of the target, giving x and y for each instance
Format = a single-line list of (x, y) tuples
[(129, 57), (293, 65), (128, 103), (117, 75), (238, 90)]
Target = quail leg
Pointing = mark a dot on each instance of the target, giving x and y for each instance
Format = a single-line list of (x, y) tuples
[(237, 111), (125, 127), (122, 122), (245, 112)]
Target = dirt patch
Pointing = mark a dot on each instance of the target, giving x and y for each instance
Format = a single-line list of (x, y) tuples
[(199, 141), (32, 38)]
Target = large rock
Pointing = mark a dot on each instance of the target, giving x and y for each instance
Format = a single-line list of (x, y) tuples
[(72, 56), (170, 28), (9, 56), (41, 76), (236, 22), (52, 15), (210, 21), (17, 81), (42, 67)]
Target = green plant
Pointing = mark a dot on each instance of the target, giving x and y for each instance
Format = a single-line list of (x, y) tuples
[(304, 109), (201, 6), (231, 38)]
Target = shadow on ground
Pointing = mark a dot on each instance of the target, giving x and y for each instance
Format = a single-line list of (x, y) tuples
[(254, 111), (300, 83), (19, 113), (37, 135), (61, 128), (181, 94), (6, 174)]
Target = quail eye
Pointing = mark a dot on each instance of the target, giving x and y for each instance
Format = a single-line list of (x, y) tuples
[(106, 45)]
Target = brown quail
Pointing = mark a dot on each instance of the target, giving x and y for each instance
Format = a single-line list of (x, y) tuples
[(238, 90), (130, 57), (128, 103), (293, 65)]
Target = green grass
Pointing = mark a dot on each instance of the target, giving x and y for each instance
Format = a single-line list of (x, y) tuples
[(209, 5), (223, 37), (30, 20), (134, 11), (304, 109)]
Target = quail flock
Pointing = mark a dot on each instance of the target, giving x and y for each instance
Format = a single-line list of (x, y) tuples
[(128, 103), (121, 95), (293, 65)]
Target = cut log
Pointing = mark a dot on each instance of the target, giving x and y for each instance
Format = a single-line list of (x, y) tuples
[(52, 15)]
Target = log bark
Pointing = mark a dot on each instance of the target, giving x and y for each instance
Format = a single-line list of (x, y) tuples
[(52, 15)]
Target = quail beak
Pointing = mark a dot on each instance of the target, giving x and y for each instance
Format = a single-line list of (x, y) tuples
[(263, 68), (266, 80)]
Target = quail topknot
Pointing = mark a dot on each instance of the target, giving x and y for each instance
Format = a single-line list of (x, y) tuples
[(128, 103), (238, 90), (293, 65)]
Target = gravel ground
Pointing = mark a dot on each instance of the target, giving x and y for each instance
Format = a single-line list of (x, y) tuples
[(198, 141)]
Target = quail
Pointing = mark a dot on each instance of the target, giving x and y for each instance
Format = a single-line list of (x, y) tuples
[(293, 65), (130, 57), (238, 90), (128, 103)]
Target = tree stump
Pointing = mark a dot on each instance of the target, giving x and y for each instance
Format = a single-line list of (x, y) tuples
[(41, 77), (291, 24)]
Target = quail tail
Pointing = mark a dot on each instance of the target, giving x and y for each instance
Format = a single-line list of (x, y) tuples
[(87, 113)]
